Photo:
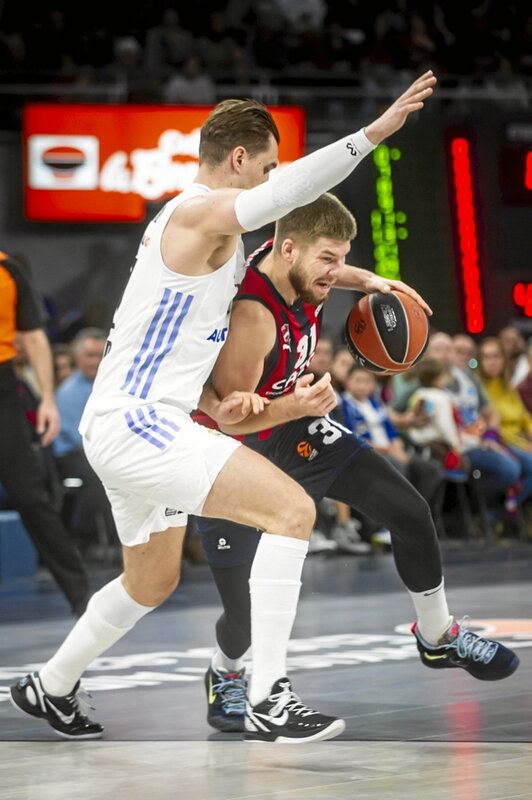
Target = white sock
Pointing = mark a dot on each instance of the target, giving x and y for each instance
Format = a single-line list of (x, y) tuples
[(274, 586), (220, 661), (432, 613), (110, 614)]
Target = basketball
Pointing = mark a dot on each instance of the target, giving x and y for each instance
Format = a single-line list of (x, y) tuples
[(387, 333)]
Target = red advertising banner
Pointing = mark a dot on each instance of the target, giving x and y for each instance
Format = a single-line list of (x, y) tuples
[(94, 163)]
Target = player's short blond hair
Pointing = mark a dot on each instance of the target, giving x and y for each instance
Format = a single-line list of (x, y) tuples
[(326, 216), (234, 123)]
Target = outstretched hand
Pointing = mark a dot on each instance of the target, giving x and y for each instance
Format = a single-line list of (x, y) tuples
[(395, 116)]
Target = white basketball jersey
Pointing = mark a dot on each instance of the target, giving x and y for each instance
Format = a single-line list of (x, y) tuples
[(168, 328)]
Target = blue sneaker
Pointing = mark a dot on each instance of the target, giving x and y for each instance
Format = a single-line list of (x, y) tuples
[(482, 658), (226, 699)]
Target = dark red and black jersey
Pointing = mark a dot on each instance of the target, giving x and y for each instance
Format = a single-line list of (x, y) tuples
[(297, 328)]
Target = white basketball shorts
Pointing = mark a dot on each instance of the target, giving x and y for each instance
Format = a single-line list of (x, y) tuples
[(157, 466)]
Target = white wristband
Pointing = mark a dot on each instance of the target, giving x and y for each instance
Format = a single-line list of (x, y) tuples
[(301, 182)]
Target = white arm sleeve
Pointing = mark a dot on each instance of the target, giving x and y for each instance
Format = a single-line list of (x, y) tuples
[(302, 182)]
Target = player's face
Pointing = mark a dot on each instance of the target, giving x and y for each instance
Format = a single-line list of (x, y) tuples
[(256, 169), (492, 360), (361, 384), (89, 356), (317, 267)]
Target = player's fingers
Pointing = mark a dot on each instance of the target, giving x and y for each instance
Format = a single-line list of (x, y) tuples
[(325, 380), (403, 287), (305, 380), (318, 390), (257, 403)]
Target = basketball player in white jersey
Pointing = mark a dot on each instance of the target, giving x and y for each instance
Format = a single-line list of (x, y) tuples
[(156, 464)]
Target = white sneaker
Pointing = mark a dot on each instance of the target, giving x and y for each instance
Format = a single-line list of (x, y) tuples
[(348, 539), (319, 543)]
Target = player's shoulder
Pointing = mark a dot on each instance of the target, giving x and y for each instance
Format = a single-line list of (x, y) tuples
[(16, 272), (252, 310)]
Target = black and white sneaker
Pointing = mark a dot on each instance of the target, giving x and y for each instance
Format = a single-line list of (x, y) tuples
[(284, 719), (458, 647), (66, 714)]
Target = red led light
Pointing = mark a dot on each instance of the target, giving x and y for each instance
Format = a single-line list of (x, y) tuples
[(522, 297), (467, 234), (528, 170)]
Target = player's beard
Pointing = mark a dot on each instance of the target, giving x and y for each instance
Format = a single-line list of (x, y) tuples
[(298, 279)]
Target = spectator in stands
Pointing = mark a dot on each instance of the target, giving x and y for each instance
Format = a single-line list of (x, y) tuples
[(368, 417), (301, 16), (219, 51), (516, 421), (525, 386), (21, 470), (92, 512), (191, 85), (321, 361), (442, 435), (514, 346), (64, 364), (127, 71), (499, 469), (340, 366), (168, 45)]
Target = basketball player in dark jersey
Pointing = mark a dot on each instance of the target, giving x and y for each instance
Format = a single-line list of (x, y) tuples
[(273, 331)]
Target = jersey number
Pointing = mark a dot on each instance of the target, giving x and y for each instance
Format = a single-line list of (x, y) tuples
[(331, 431)]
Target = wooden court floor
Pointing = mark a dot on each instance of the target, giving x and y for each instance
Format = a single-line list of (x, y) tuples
[(411, 732)]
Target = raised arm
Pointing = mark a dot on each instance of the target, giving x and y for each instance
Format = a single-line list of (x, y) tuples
[(232, 211)]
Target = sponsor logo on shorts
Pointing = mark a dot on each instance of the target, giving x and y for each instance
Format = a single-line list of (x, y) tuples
[(222, 544), (171, 512), (306, 450)]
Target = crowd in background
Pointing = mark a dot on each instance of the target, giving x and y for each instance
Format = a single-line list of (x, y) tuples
[(178, 52), (464, 411), (465, 408)]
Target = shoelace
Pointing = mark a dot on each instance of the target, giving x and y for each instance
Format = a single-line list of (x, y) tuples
[(80, 702), (233, 695), (289, 700), (469, 645)]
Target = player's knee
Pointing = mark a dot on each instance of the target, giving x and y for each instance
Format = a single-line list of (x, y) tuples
[(298, 516), (415, 518), (152, 592)]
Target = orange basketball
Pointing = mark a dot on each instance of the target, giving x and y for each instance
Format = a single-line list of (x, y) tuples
[(387, 333)]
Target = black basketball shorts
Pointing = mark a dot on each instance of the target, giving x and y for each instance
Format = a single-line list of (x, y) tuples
[(313, 451)]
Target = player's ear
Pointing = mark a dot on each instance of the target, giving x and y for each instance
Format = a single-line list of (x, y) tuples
[(237, 158), (288, 249)]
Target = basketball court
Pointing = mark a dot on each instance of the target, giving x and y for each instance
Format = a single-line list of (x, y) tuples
[(410, 731)]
